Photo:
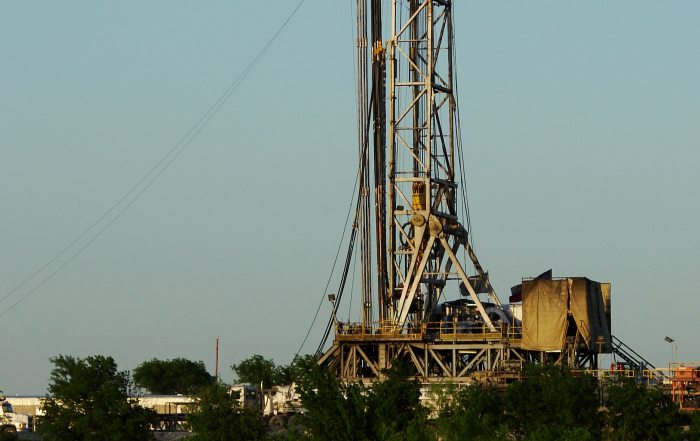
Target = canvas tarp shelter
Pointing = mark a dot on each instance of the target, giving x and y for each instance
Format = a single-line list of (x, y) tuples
[(546, 308), (587, 307)]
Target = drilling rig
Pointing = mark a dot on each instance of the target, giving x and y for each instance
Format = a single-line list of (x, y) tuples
[(412, 223)]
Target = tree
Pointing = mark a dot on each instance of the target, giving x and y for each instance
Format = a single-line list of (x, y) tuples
[(636, 412), (171, 377), (393, 406), (334, 411), (88, 401), (387, 410), (559, 433), (693, 433), (552, 397), (218, 417), (476, 412), (549, 404), (258, 369)]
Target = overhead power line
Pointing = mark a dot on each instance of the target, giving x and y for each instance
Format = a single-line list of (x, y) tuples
[(139, 188)]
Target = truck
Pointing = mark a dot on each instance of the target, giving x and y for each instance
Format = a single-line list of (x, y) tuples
[(11, 421), (276, 405)]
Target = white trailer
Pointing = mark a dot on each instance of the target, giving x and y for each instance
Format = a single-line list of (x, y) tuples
[(11, 421)]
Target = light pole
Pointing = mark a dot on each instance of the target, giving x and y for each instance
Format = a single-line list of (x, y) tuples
[(331, 299), (674, 349)]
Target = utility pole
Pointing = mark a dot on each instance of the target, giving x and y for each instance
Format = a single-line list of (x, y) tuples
[(216, 363)]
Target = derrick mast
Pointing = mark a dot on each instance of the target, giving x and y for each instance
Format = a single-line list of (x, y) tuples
[(409, 168), (425, 229), (409, 220)]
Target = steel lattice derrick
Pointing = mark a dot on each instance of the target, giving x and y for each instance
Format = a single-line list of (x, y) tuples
[(424, 229), (409, 176)]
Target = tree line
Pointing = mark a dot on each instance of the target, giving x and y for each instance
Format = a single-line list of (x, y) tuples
[(89, 400)]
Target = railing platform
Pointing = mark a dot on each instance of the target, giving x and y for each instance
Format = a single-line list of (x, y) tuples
[(433, 331)]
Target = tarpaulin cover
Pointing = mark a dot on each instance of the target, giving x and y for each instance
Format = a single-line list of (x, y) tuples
[(545, 306), (599, 313), (579, 308), (588, 309), (605, 290)]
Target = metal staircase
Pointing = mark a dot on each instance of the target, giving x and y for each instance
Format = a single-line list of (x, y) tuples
[(636, 362)]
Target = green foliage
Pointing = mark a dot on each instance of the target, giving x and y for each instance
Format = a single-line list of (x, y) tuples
[(8, 436), (218, 417), (551, 397), (88, 401), (394, 410), (258, 369), (389, 410), (477, 413), (693, 433), (636, 412), (296, 369), (335, 412), (549, 404), (170, 377), (442, 397), (559, 433)]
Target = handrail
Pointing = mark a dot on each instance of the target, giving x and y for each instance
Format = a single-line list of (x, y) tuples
[(608, 373), (443, 329), (632, 357)]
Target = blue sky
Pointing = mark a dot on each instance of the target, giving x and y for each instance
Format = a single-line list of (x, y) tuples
[(581, 127)]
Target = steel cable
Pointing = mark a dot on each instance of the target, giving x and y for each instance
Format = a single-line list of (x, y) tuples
[(153, 174)]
